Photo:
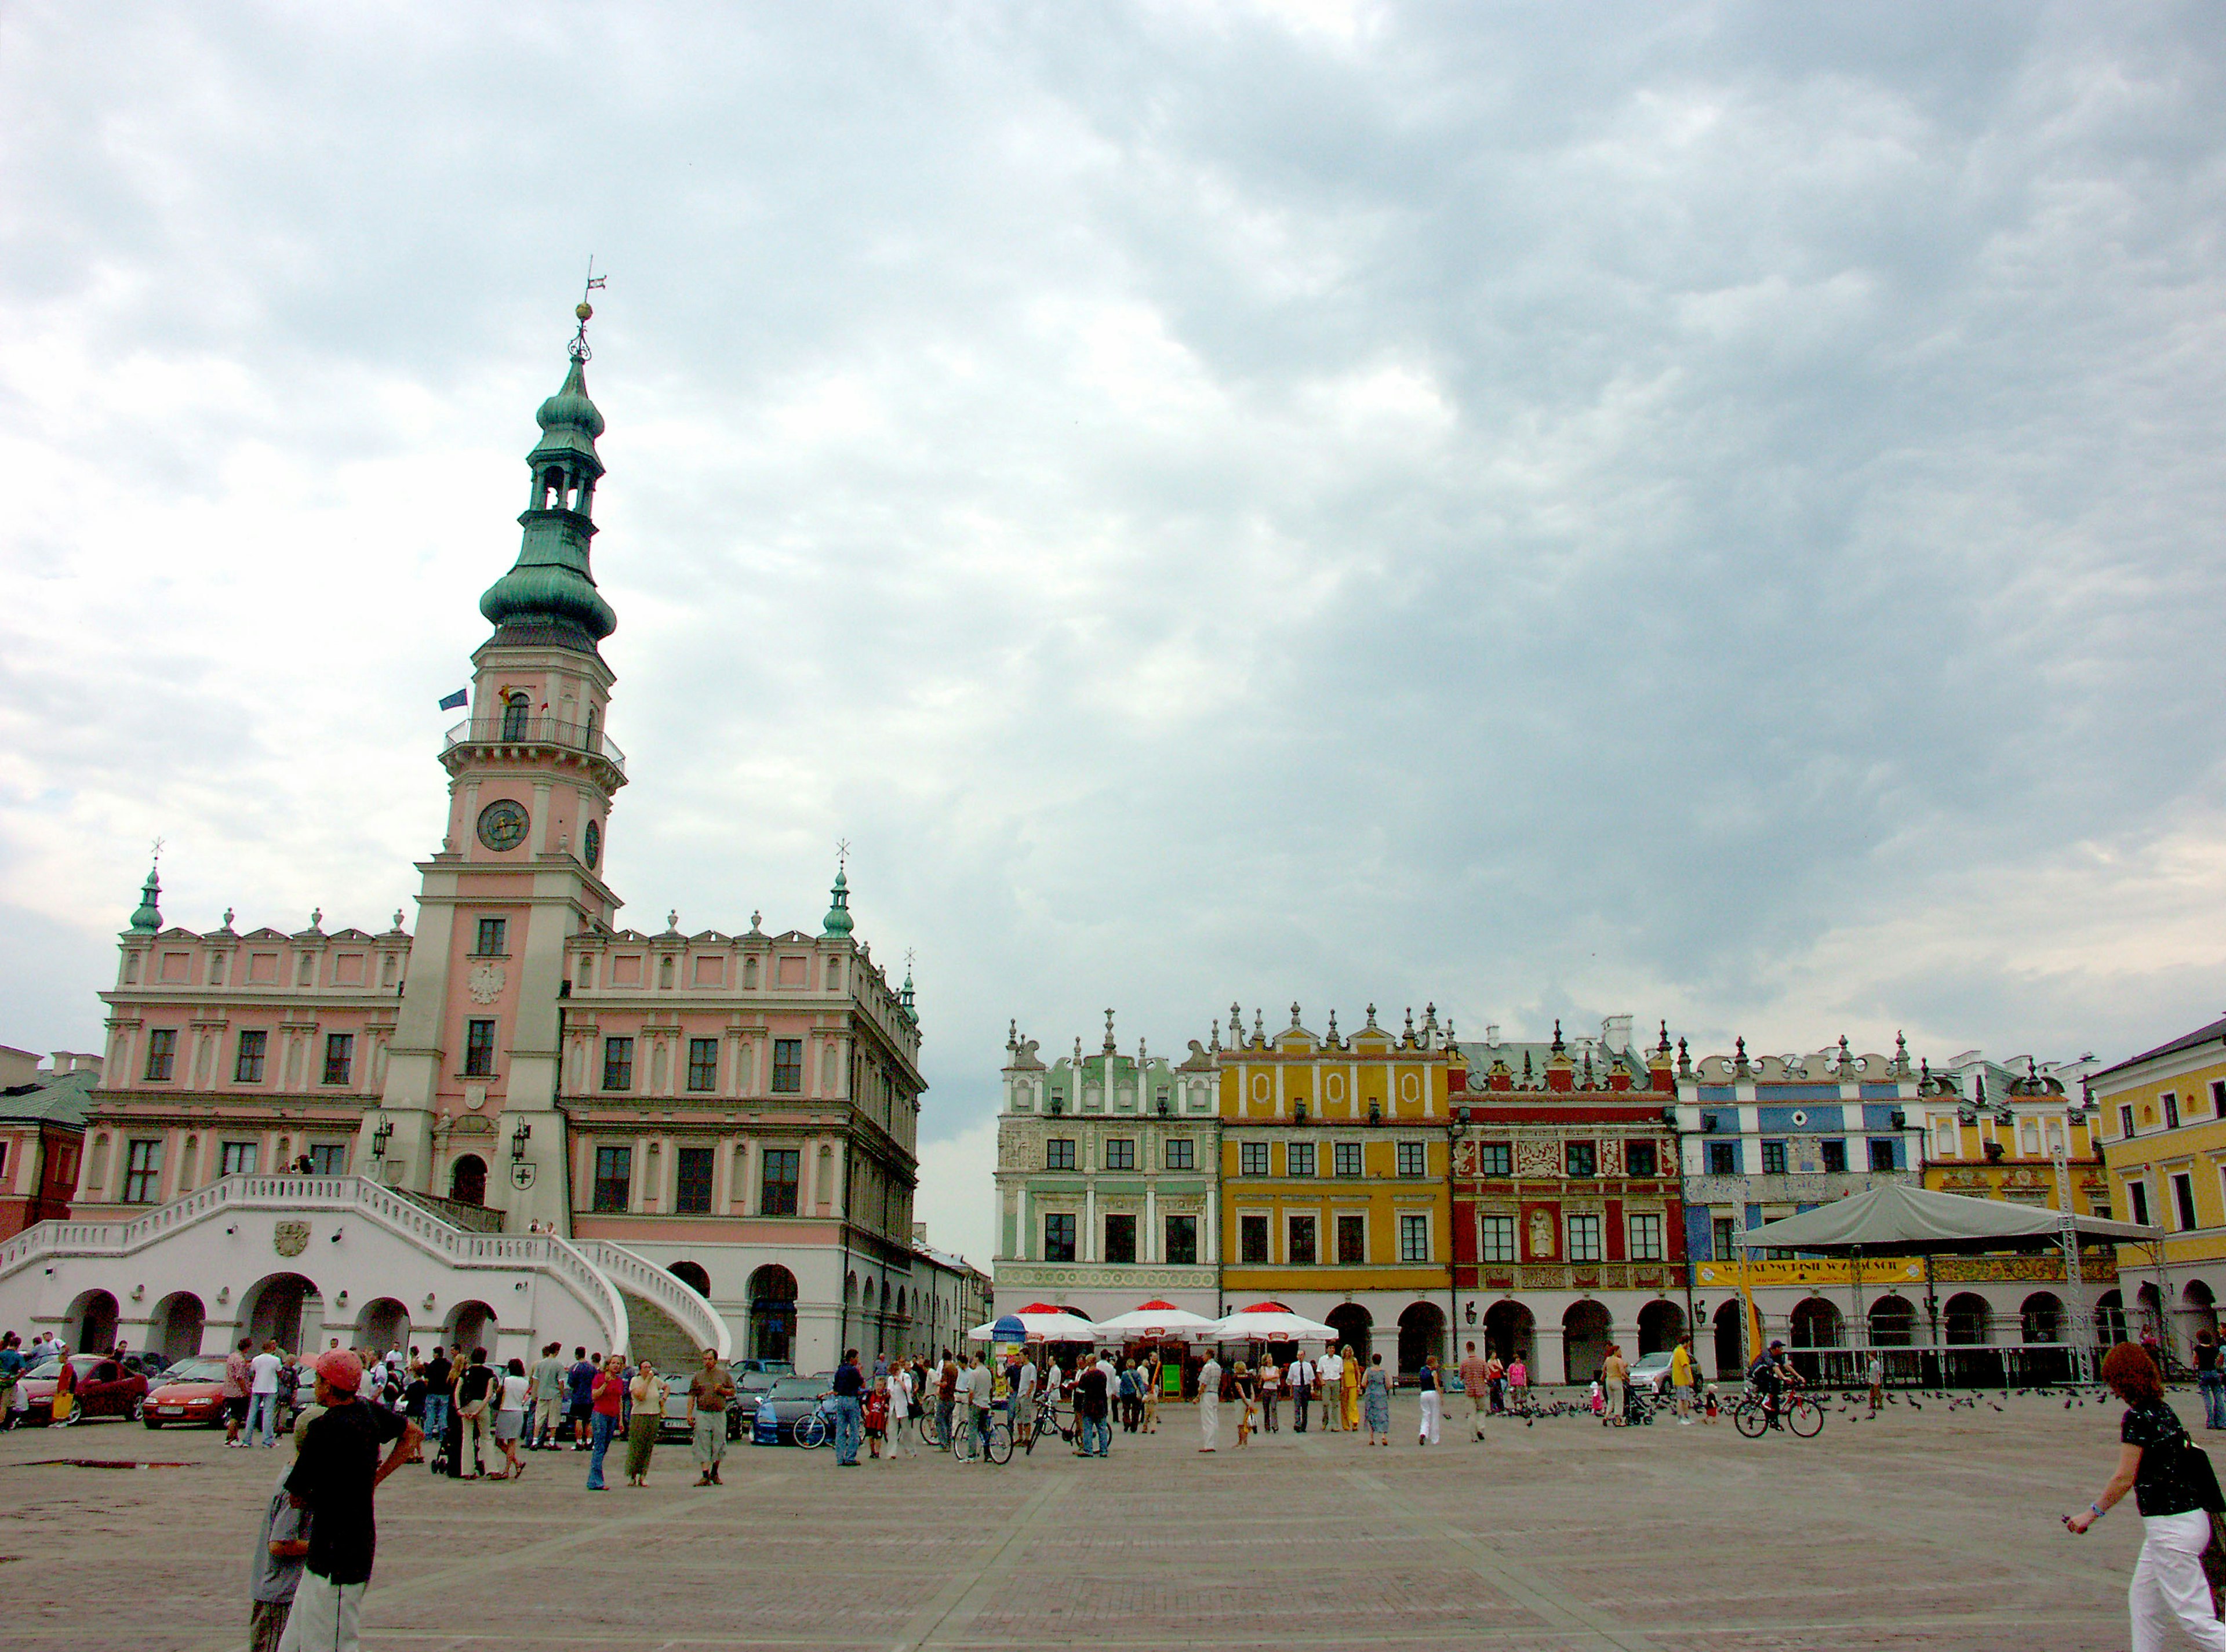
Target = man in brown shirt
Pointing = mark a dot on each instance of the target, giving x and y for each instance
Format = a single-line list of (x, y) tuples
[(710, 1391), (1476, 1377)]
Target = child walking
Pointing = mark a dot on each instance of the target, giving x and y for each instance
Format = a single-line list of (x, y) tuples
[(282, 1546)]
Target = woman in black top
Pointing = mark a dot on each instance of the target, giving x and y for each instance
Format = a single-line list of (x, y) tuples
[(1248, 1393), (2169, 1587)]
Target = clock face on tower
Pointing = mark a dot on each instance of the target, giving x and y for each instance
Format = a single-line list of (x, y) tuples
[(592, 839), (502, 825)]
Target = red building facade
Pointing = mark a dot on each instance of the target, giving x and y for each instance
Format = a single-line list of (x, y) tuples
[(1568, 1223)]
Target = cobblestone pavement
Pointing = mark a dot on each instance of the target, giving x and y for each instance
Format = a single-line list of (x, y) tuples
[(1935, 1528)]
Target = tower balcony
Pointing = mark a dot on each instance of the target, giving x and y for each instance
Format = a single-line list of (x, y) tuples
[(506, 732)]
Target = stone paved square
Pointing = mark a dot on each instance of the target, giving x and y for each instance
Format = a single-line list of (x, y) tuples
[(1935, 1528)]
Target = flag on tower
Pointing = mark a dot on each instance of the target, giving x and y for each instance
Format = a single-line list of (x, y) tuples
[(453, 701)]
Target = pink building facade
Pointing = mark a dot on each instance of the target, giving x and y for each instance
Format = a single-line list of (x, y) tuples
[(730, 1116)]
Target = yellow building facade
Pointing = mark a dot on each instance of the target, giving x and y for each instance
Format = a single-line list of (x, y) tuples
[(1335, 1198), (2163, 1120)]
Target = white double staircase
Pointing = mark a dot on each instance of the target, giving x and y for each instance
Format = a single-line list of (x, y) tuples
[(600, 1275)]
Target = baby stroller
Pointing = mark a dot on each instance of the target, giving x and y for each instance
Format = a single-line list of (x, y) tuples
[(449, 1449)]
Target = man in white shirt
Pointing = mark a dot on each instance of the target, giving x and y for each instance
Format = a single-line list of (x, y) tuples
[(1301, 1373), (1209, 1404), (977, 1387), (1024, 1403), (1330, 1369), (263, 1393)]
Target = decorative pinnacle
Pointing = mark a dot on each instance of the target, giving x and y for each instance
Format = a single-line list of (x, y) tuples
[(227, 917), (1663, 1047), (672, 919), (585, 312), (1259, 1030), (1558, 1046), (1108, 1032), (1012, 1035), (1332, 1027), (1214, 1047), (148, 918)]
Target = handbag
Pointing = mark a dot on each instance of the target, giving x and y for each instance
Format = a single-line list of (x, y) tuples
[(64, 1403), (2195, 1477)]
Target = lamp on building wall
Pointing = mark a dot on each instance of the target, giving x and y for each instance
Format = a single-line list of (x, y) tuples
[(1470, 1312), (381, 1134), (518, 1138)]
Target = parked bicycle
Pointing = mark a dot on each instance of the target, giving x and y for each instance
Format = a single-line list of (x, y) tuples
[(816, 1430), (1047, 1421)]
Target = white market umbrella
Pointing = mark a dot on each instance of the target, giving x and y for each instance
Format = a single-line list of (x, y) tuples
[(1042, 1322), (1266, 1323), (1154, 1318)]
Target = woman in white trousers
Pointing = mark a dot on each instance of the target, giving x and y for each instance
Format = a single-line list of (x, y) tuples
[(1209, 1404), (2169, 1588)]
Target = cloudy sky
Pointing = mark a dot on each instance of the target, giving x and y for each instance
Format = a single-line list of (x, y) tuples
[(1712, 512)]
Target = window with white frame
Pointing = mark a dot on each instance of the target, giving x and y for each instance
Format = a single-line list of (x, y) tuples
[(236, 1159), (1645, 1238), (1414, 1238), (1584, 1238), (1496, 1239), (1252, 1158)]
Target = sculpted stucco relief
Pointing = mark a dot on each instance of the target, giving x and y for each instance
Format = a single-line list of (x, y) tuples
[(1537, 1159)]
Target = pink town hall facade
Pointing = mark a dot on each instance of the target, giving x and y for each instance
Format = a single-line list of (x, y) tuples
[(519, 1122)]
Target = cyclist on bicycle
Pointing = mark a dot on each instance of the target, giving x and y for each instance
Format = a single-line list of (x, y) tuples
[(1771, 1376)]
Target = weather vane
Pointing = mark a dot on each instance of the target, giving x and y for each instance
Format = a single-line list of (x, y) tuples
[(586, 311), (909, 955), (158, 849), (841, 855)]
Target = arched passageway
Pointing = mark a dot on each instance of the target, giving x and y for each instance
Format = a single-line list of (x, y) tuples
[(1661, 1323), (179, 1319), (1510, 1330), (1422, 1333), (772, 1313), (90, 1327), (1584, 1341), (1731, 1341), (693, 1275), (1816, 1323), (1354, 1328), (285, 1308), (384, 1324)]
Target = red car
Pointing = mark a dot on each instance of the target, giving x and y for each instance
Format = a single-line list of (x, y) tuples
[(103, 1388), (187, 1395)]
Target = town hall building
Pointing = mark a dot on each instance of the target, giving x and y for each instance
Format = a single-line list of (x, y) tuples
[(521, 1119)]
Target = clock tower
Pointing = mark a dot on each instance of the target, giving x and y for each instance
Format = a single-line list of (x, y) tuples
[(471, 1086)]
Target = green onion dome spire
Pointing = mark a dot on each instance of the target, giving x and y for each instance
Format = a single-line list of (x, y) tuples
[(549, 595), (148, 918), (838, 915)]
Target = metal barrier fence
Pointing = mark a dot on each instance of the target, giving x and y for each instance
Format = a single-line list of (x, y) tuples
[(1945, 1365)]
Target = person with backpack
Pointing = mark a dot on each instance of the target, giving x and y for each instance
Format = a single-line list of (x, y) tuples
[(2177, 1492)]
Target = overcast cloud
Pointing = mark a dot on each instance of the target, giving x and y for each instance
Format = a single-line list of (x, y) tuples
[(1712, 512)]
